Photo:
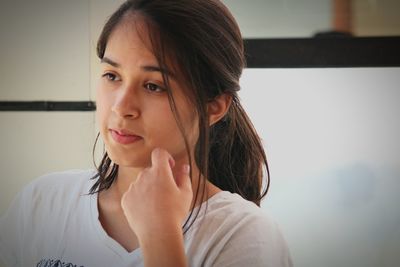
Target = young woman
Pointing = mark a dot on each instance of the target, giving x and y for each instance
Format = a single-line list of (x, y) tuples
[(181, 178)]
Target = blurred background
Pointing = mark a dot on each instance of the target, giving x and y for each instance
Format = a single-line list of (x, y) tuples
[(331, 134)]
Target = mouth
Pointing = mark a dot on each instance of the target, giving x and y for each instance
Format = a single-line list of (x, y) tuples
[(124, 137)]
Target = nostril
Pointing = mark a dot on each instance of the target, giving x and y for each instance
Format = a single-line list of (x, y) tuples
[(132, 115)]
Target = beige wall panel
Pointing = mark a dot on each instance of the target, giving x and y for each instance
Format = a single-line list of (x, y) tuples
[(281, 18), (35, 143), (376, 18), (44, 50)]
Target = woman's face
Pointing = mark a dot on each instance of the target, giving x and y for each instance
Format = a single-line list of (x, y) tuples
[(131, 99)]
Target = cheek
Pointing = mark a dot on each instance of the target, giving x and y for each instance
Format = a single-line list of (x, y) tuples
[(171, 137), (100, 115), (191, 124), (162, 130), (102, 105), (162, 126)]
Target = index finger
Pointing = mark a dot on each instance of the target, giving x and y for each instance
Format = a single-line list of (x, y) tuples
[(160, 158)]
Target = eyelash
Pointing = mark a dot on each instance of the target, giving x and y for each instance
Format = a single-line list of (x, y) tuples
[(110, 77)]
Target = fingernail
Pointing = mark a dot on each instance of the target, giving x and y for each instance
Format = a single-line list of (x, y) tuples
[(186, 168), (171, 162)]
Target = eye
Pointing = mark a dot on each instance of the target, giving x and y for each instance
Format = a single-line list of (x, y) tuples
[(154, 87), (110, 76)]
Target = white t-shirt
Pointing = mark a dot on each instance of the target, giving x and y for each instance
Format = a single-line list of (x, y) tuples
[(53, 221)]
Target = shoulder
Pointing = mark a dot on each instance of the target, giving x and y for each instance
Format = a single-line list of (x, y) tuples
[(51, 197), (238, 233), (232, 208), (45, 205), (67, 177), (244, 216), (55, 190), (58, 182)]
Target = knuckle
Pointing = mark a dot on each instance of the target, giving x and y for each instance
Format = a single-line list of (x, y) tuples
[(145, 172)]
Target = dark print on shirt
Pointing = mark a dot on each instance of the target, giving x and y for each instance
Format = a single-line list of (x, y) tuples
[(55, 263)]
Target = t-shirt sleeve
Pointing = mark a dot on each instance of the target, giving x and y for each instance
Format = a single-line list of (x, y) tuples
[(12, 229), (258, 242)]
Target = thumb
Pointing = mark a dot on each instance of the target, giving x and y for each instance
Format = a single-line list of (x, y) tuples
[(182, 178)]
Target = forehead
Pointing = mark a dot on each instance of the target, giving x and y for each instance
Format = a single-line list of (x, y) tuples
[(130, 39), (134, 39)]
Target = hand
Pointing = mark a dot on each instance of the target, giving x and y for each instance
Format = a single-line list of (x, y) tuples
[(157, 202)]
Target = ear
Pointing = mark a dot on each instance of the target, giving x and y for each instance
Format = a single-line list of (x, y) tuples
[(218, 107)]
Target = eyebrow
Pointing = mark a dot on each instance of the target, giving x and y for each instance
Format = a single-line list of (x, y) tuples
[(145, 68)]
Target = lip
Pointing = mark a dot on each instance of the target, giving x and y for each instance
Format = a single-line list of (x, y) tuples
[(124, 137)]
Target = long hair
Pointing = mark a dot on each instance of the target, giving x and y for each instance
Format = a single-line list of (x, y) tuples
[(204, 42)]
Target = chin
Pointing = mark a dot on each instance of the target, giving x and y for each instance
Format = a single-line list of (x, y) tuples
[(131, 162), (128, 157)]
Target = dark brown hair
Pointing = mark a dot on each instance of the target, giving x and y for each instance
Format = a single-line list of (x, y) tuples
[(204, 42)]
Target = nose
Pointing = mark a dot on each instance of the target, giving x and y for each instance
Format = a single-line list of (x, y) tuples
[(126, 104)]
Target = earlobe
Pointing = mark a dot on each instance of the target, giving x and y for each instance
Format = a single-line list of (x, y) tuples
[(218, 107)]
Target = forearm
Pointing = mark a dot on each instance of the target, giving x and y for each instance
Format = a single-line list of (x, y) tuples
[(165, 250)]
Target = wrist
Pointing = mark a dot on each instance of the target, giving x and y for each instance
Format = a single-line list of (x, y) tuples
[(163, 248), (158, 233), (158, 229)]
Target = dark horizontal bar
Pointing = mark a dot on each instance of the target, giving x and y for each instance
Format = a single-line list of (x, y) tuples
[(323, 52), (47, 106), (275, 53)]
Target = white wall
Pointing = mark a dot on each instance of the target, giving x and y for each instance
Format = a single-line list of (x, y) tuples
[(332, 140)]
